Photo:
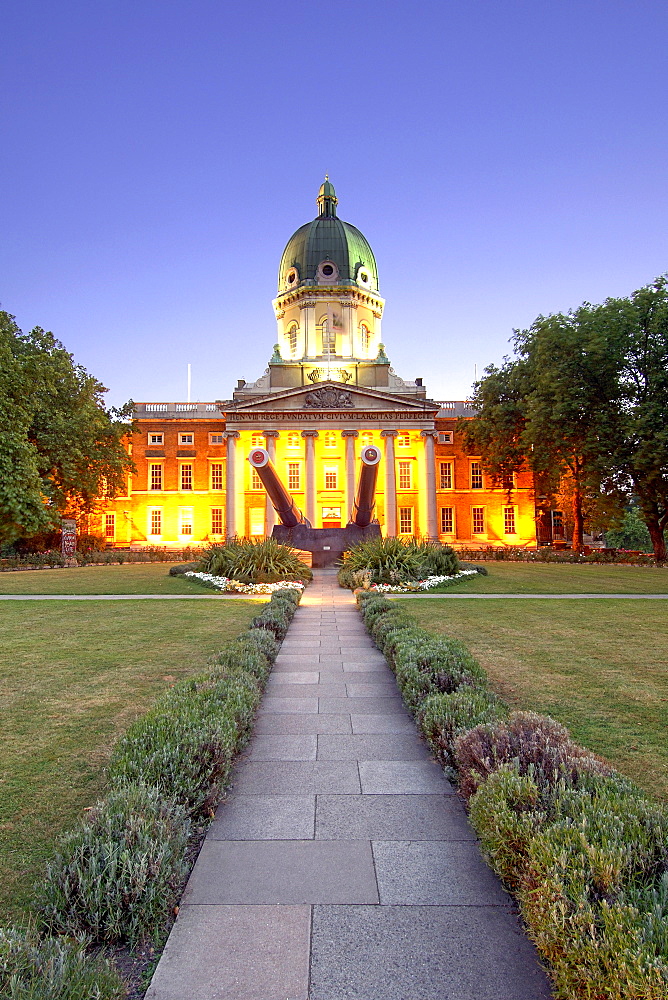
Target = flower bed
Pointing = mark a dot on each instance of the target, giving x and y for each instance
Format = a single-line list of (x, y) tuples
[(228, 586), (417, 586)]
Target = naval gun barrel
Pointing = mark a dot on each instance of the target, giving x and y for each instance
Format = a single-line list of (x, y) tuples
[(366, 486), (283, 504)]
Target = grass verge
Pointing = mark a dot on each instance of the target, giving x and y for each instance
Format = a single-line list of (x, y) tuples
[(132, 578), (588, 578)]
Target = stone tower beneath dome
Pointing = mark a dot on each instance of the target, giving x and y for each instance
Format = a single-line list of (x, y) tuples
[(329, 310)]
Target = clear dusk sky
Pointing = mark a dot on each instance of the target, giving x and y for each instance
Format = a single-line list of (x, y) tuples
[(504, 158)]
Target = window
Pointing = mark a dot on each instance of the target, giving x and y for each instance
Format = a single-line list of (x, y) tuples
[(447, 521), (216, 475), (256, 519), (155, 476), (186, 439), (558, 524), (110, 526), (445, 437), (155, 522), (216, 520), (446, 475), (216, 439), (292, 340), (294, 478), (508, 481), (404, 439), (366, 439), (405, 476), (405, 520), (509, 520), (256, 482), (185, 520), (154, 439), (187, 476), (476, 476), (330, 478), (328, 338), (257, 441), (478, 516), (330, 439), (293, 441), (365, 337)]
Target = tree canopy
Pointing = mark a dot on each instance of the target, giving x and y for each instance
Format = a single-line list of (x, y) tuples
[(585, 397), (61, 451)]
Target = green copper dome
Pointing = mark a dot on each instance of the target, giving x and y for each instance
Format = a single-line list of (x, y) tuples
[(327, 241)]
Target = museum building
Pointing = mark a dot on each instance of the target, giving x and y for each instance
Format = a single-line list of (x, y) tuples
[(328, 391)]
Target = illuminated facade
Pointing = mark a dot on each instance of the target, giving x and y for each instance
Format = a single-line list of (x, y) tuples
[(328, 391)]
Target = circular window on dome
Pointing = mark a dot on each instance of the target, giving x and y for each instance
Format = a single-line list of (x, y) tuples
[(363, 276), (328, 272), (292, 277)]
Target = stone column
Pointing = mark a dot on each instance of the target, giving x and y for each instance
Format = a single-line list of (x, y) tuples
[(230, 484), (430, 475), (349, 437), (269, 512), (390, 484), (309, 437)]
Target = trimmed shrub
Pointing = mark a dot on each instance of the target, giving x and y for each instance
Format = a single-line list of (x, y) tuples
[(182, 568), (185, 745), (444, 717), (533, 740), (53, 968), (118, 873)]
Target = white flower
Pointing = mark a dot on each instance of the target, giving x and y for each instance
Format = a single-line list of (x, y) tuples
[(415, 586), (236, 587)]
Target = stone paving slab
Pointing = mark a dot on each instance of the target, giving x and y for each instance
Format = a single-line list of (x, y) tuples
[(330, 689), (292, 677), (385, 746), (369, 724), (297, 777), (280, 724), (362, 706), (302, 747), (382, 688), (407, 777), (423, 873), (378, 817), (274, 704), (264, 817), (422, 953), (283, 871), (235, 952)]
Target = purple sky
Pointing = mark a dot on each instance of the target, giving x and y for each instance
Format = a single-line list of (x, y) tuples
[(503, 158)]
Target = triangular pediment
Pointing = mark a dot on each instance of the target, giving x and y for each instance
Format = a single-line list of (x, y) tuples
[(334, 397)]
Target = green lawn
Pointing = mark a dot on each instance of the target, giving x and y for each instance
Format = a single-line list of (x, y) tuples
[(562, 578), (131, 578), (600, 667), (73, 676)]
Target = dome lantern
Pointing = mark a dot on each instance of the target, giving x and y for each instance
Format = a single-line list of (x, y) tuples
[(327, 200)]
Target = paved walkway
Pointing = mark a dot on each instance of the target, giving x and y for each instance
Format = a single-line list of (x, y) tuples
[(342, 864)]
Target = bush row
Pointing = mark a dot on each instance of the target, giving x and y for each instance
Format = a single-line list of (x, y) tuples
[(582, 848), (117, 875), (53, 558), (548, 555)]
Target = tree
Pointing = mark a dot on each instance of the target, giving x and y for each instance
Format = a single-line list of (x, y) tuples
[(544, 408), (61, 451), (586, 397)]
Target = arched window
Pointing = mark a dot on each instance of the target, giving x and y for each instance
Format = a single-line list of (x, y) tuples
[(293, 441), (291, 338), (365, 338), (330, 439), (366, 439), (328, 337)]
